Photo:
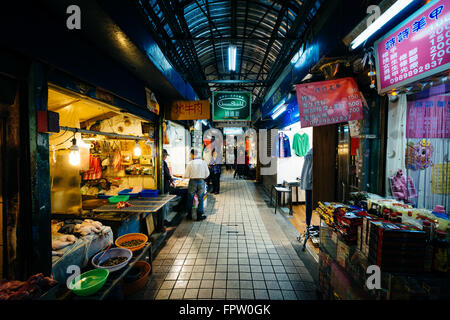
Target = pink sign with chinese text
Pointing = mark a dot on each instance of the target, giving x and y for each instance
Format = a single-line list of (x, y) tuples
[(428, 118), (327, 102), (418, 48)]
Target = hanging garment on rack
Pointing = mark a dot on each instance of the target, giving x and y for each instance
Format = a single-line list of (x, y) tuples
[(282, 146), (306, 177), (95, 169), (402, 189), (300, 144)]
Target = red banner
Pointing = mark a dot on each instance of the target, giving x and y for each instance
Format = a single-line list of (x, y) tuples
[(328, 102)]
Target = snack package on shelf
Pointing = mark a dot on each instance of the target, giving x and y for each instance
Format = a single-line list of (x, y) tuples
[(396, 247)]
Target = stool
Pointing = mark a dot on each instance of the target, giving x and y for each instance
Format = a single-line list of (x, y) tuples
[(281, 190)]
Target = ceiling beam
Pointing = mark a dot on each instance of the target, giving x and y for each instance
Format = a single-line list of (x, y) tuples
[(163, 39), (289, 48), (243, 41), (236, 38), (211, 38), (231, 81), (271, 41)]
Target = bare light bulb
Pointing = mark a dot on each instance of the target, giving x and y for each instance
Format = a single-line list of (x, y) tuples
[(74, 155), (137, 150)]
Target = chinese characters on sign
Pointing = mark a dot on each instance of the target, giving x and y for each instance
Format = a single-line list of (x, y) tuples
[(231, 106), (428, 118), (419, 47), (327, 102), (190, 110)]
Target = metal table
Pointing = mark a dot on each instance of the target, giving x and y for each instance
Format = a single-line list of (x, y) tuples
[(140, 206)]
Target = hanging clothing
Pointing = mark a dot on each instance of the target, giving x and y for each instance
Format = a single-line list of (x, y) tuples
[(306, 177), (95, 169), (282, 146), (402, 189), (300, 144)]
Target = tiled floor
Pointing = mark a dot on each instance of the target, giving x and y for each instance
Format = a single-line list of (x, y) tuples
[(238, 252)]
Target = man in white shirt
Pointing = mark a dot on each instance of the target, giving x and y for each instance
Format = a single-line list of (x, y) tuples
[(196, 171)]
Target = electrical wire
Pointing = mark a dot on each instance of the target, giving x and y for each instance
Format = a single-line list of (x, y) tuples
[(71, 137)]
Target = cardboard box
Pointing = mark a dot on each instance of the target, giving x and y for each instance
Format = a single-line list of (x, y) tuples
[(328, 240), (343, 286), (344, 254)]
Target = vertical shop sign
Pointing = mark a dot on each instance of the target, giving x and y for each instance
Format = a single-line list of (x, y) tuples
[(231, 106), (328, 102), (428, 118), (190, 110), (418, 48)]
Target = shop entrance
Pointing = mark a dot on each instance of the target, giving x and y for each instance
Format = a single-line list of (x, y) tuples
[(101, 159), (289, 171)]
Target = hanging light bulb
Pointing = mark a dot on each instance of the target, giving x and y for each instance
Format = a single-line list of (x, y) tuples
[(137, 149), (74, 155)]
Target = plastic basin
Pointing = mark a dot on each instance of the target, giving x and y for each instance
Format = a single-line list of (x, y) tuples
[(143, 269), (117, 199), (149, 193), (114, 252), (129, 237), (89, 283), (127, 192)]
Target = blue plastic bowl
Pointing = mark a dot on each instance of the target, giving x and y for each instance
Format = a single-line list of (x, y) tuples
[(114, 252)]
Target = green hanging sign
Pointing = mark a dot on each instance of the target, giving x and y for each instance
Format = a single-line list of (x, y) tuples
[(229, 105)]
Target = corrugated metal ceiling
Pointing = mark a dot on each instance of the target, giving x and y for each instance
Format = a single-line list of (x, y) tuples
[(195, 36)]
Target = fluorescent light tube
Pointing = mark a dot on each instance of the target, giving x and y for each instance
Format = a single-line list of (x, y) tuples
[(232, 58), (278, 112), (395, 9)]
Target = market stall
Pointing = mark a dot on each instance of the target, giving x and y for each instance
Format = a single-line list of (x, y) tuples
[(101, 158), (409, 245)]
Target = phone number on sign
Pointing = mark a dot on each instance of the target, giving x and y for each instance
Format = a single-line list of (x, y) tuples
[(439, 37)]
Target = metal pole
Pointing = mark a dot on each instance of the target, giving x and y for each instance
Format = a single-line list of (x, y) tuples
[(113, 135)]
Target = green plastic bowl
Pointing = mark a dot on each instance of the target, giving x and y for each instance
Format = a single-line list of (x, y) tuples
[(117, 199), (90, 282)]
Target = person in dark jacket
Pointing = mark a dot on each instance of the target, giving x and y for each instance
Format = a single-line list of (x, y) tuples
[(216, 171), (168, 182)]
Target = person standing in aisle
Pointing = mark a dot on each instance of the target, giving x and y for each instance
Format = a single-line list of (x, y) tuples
[(196, 171), (306, 184), (168, 182), (216, 171)]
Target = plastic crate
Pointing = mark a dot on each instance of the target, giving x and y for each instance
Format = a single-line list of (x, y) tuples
[(120, 198), (149, 193), (127, 192)]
